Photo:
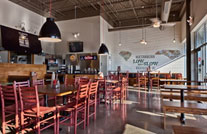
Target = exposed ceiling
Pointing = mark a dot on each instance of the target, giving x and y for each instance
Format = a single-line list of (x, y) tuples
[(116, 12)]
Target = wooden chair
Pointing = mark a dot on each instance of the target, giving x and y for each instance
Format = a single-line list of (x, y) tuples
[(156, 81), (73, 109), (31, 109), (10, 109), (21, 84), (92, 101), (101, 90), (39, 82), (143, 82)]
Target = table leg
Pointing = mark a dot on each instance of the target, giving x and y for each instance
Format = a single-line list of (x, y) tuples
[(182, 115), (46, 100)]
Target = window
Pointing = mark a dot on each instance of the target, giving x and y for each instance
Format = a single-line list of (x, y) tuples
[(200, 37)]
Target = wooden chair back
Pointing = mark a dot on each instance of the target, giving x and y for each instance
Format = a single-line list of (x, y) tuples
[(21, 84), (93, 88), (82, 94), (9, 107), (39, 82), (29, 98)]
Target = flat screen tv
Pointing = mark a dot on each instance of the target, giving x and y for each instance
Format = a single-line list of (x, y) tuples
[(76, 46)]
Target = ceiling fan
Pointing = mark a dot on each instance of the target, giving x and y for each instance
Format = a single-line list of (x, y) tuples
[(163, 22)]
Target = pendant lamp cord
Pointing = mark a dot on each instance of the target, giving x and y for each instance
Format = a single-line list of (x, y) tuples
[(50, 8), (156, 9), (103, 18), (142, 28), (145, 35)]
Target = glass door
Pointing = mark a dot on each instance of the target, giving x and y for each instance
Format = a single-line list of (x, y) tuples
[(201, 67)]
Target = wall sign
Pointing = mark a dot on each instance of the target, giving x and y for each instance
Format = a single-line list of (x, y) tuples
[(143, 61), (89, 57), (125, 54), (23, 39)]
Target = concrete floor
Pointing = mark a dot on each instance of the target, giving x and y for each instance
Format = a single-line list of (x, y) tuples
[(140, 114)]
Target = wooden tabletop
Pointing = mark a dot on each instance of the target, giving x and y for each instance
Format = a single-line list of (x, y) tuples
[(188, 130), (180, 80), (61, 91), (173, 80), (112, 81), (185, 87)]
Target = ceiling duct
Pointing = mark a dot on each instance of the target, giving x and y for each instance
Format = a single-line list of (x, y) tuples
[(166, 6)]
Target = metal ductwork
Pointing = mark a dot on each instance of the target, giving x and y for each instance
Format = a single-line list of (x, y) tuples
[(166, 6)]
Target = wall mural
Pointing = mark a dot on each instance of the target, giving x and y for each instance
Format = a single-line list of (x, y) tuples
[(172, 54), (125, 54), (141, 62)]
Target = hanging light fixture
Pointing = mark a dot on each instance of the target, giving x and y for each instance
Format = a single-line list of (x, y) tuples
[(103, 49), (142, 41), (145, 39), (120, 35), (77, 34), (49, 31), (174, 41), (157, 22)]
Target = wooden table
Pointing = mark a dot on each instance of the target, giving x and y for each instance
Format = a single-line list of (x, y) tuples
[(47, 90), (171, 81), (188, 130), (182, 88), (112, 81)]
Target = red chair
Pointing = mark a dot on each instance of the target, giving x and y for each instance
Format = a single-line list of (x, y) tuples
[(22, 84), (101, 90), (10, 109), (73, 109), (69, 81), (119, 93), (92, 101), (39, 82), (32, 111)]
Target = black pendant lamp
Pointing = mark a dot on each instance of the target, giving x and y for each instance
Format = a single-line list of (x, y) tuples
[(103, 49), (49, 31)]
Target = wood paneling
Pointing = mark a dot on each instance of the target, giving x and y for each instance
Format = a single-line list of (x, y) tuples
[(7, 69)]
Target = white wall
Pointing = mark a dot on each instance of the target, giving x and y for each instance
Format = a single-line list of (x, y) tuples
[(175, 67), (109, 39), (12, 15), (89, 29), (157, 40)]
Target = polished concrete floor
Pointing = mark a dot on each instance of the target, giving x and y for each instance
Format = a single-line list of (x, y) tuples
[(140, 114)]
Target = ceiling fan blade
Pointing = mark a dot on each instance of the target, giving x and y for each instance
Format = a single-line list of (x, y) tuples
[(169, 24), (154, 19)]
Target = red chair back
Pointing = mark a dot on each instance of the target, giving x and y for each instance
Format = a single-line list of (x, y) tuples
[(21, 84), (29, 98), (39, 82), (9, 104), (9, 94), (93, 88), (82, 93)]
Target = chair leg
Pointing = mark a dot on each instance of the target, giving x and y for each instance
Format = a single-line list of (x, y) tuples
[(88, 108), (84, 123), (58, 121), (3, 124), (75, 122), (164, 122), (55, 123), (95, 111), (22, 122), (38, 125)]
